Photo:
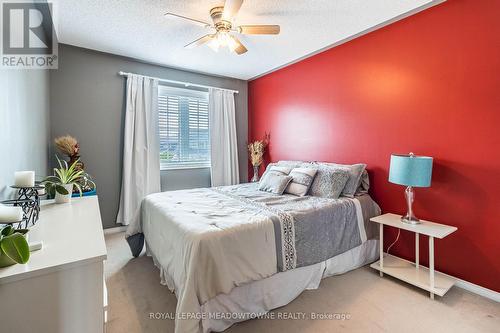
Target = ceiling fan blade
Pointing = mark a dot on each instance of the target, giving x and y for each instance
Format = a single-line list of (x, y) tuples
[(231, 8), (195, 21), (199, 41), (240, 48), (259, 29)]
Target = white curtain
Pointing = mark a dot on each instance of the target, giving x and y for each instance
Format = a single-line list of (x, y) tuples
[(141, 151), (223, 142)]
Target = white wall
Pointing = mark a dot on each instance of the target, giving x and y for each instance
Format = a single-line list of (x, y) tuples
[(24, 125)]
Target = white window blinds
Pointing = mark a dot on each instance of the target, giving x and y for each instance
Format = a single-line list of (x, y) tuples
[(184, 128)]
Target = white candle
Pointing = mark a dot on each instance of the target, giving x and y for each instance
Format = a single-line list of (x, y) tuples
[(24, 178), (35, 246), (10, 214)]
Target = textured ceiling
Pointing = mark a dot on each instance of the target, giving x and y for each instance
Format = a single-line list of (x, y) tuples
[(138, 29)]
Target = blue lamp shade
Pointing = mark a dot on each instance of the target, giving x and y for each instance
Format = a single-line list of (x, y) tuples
[(411, 170)]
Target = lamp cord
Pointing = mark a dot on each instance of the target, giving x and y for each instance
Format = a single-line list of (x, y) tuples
[(397, 237)]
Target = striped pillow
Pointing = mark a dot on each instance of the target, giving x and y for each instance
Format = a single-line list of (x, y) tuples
[(302, 179)]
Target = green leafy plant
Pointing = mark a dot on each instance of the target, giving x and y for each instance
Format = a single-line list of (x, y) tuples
[(66, 175), (13, 246), (85, 182)]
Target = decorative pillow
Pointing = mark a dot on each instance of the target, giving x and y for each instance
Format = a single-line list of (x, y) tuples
[(276, 168), (302, 179), (355, 173), (292, 164), (329, 182), (274, 182), (280, 169)]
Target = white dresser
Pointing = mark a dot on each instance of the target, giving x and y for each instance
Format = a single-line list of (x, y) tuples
[(61, 288)]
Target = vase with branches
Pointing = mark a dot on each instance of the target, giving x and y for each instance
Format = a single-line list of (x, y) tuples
[(257, 149)]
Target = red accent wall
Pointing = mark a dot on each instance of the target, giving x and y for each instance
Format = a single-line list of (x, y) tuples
[(429, 84)]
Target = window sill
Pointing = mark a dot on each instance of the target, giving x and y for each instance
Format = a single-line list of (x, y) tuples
[(187, 167)]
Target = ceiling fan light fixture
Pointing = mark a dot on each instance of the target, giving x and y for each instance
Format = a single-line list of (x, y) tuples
[(222, 39), (223, 24)]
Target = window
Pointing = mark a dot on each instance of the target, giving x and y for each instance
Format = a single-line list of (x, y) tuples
[(184, 128)]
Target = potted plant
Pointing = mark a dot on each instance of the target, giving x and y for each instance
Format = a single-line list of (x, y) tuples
[(14, 248), (70, 147), (65, 178)]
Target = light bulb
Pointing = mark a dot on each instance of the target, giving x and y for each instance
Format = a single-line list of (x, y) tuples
[(223, 38), (214, 44)]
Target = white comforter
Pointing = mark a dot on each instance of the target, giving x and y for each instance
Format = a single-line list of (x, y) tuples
[(207, 245)]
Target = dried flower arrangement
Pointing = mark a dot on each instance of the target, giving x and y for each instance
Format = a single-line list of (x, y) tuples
[(257, 150), (68, 145)]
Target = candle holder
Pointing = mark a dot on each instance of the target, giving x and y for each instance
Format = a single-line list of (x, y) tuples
[(28, 199)]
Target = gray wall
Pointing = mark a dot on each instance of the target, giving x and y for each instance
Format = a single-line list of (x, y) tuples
[(24, 125), (184, 179), (87, 101)]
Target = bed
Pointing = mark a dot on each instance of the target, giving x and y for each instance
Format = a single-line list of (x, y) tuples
[(232, 253)]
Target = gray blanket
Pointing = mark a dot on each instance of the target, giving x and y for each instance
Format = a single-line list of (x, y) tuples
[(308, 229)]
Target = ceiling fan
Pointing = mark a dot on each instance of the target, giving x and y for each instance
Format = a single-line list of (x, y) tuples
[(223, 17)]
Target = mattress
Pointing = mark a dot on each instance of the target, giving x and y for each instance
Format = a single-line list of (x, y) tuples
[(210, 241)]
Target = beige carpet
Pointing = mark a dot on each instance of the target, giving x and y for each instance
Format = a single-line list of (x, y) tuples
[(374, 304)]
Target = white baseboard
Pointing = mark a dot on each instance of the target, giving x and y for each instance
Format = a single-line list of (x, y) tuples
[(475, 289), (471, 287), (110, 231)]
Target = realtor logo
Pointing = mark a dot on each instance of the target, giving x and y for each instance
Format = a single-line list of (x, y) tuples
[(28, 35)]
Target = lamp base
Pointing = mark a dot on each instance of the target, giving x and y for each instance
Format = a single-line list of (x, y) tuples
[(410, 219)]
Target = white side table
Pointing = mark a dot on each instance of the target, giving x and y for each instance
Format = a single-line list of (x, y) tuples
[(420, 276)]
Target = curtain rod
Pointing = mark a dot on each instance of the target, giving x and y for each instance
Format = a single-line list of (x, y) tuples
[(187, 84)]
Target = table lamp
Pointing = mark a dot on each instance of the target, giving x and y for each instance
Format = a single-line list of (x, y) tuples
[(411, 171)]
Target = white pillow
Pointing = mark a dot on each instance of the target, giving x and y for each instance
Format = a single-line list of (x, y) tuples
[(302, 179)]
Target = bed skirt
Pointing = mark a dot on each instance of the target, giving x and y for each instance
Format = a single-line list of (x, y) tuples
[(259, 297)]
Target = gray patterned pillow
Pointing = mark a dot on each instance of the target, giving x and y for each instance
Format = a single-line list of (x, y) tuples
[(274, 182), (329, 182), (291, 164), (355, 173), (302, 179)]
